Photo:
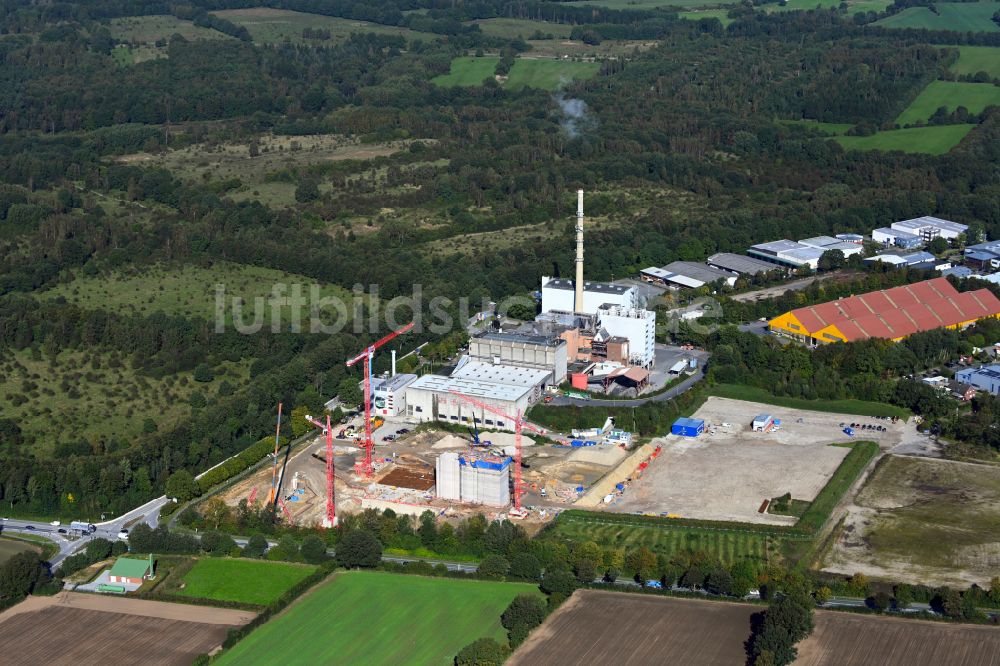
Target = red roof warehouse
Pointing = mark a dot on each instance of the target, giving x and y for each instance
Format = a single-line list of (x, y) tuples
[(892, 313)]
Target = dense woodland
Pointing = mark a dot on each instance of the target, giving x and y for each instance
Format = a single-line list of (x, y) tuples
[(682, 150)]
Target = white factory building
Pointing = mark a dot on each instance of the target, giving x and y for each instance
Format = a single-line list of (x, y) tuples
[(806, 252), (637, 325), (524, 350), (737, 263), (507, 388), (786, 253), (929, 228), (558, 294), (389, 394), (887, 236)]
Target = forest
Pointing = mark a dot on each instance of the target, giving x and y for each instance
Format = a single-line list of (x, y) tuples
[(684, 148)]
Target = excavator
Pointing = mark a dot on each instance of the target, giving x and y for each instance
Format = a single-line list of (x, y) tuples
[(476, 441)]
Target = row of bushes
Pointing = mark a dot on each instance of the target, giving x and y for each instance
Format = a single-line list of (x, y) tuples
[(784, 531), (847, 473), (238, 463)]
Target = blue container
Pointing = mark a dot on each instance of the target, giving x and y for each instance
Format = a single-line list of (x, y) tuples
[(619, 486), (579, 489)]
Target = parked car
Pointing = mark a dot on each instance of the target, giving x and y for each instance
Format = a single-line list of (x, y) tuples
[(55, 523), (61, 531), (123, 534), (547, 399), (402, 431), (389, 438), (29, 527)]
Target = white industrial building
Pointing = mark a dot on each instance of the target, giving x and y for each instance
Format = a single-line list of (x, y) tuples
[(687, 274), (474, 478), (559, 294), (787, 253), (828, 243), (430, 398), (389, 394), (887, 236), (929, 228), (524, 350), (636, 325)]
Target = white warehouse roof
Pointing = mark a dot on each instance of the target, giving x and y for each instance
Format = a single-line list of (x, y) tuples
[(500, 374), (473, 388), (918, 223)]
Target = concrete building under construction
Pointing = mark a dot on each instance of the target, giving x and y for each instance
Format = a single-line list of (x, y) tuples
[(474, 478)]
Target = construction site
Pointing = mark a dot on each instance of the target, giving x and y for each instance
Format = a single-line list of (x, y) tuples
[(734, 456)]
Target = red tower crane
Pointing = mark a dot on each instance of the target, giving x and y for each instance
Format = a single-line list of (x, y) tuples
[(519, 424), (366, 356), (272, 496), (331, 505)]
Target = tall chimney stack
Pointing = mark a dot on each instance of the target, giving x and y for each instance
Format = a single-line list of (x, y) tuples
[(393, 363), (578, 296)]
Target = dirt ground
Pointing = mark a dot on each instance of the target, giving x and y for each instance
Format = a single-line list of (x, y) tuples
[(559, 470), (843, 639), (935, 522), (630, 629), (726, 473), (81, 629), (595, 627)]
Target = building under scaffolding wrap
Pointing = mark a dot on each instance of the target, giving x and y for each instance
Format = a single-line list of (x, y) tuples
[(476, 478)]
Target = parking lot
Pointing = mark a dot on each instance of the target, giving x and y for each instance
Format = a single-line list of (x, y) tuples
[(726, 473)]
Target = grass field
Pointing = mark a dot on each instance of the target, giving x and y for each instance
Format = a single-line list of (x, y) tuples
[(852, 7), (511, 28), (855, 407), (467, 71), (956, 16), (975, 59), (247, 581), (9, 548), (148, 29), (830, 129), (269, 26), (936, 140), (548, 74), (380, 618), (527, 72), (931, 520), (727, 545), (95, 396), (949, 94), (646, 4), (188, 290), (698, 14)]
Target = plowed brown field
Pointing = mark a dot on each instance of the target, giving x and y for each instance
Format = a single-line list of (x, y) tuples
[(68, 631)]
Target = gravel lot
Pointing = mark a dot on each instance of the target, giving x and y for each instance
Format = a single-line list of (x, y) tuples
[(729, 471)]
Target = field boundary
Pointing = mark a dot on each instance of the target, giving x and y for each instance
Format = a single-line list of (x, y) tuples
[(847, 407)]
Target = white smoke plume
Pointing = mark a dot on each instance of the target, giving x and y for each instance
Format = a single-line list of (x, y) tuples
[(576, 117)]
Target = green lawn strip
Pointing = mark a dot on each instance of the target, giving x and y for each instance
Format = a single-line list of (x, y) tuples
[(830, 129), (847, 406), (955, 16), (246, 581), (949, 94), (934, 140), (975, 59), (380, 618), (847, 473), (548, 74), (467, 71), (698, 14)]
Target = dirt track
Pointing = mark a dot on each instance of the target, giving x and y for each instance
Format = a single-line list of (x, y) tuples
[(141, 607), (79, 629)]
